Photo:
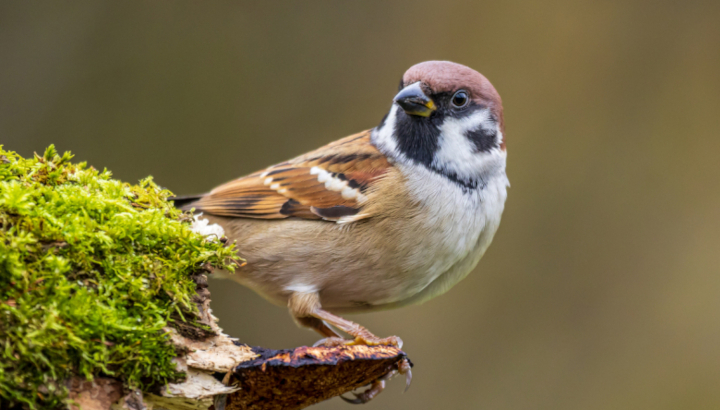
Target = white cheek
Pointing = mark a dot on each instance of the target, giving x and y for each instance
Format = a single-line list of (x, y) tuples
[(383, 137), (457, 154)]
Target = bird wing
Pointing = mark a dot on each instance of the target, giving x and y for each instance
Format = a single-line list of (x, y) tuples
[(333, 183)]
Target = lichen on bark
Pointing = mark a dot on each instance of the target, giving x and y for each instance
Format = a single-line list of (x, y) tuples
[(92, 270)]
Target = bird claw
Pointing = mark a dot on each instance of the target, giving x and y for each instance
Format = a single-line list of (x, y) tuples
[(332, 342), (369, 394), (359, 341), (356, 400), (392, 341), (376, 341), (404, 367)]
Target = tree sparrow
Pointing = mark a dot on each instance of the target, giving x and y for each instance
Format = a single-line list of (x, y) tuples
[(385, 218)]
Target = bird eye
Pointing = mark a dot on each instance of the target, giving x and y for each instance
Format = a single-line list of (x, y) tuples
[(460, 99)]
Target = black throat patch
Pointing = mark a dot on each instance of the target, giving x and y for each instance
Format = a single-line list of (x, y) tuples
[(417, 137)]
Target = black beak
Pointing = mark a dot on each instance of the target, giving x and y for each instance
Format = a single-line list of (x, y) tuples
[(414, 101)]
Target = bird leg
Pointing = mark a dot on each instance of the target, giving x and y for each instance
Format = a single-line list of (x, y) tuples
[(319, 326), (305, 307), (362, 335), (307, 311)]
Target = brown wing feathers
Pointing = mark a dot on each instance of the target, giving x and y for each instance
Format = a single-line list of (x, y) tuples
[(329, 183)]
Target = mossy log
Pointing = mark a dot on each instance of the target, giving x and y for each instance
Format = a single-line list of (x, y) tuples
[(225, 374), (104, 304)]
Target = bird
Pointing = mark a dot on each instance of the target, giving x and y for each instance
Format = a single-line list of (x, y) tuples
[(385, 218)]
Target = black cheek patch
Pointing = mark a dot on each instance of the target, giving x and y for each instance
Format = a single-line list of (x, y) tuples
[(482, 138)]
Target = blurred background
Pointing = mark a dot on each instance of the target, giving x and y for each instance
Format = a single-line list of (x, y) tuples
[(602, 287)]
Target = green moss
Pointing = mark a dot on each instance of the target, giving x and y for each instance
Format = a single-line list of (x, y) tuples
[(91, 270)]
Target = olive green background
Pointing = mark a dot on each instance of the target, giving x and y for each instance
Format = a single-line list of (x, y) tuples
[(602, 287)]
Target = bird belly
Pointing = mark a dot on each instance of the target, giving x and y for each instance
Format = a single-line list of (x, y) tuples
[(371, 264)]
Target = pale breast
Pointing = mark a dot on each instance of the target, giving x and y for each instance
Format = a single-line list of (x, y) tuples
[(435, 231), (492, 199), (452, 226)]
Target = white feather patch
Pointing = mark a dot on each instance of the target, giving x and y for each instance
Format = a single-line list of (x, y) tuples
[(336, 184), (351, 218), (349, 193), (203, 227), (301, 288)]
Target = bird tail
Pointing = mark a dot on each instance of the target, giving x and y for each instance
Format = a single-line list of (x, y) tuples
[(185, 202)]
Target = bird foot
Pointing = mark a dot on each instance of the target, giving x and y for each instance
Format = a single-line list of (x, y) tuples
[(405, 368), (331, 342), (379, 385), (370, 340), (361, 398), (360, 340)]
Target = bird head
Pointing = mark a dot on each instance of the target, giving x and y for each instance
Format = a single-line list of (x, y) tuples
[(448, 118)]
